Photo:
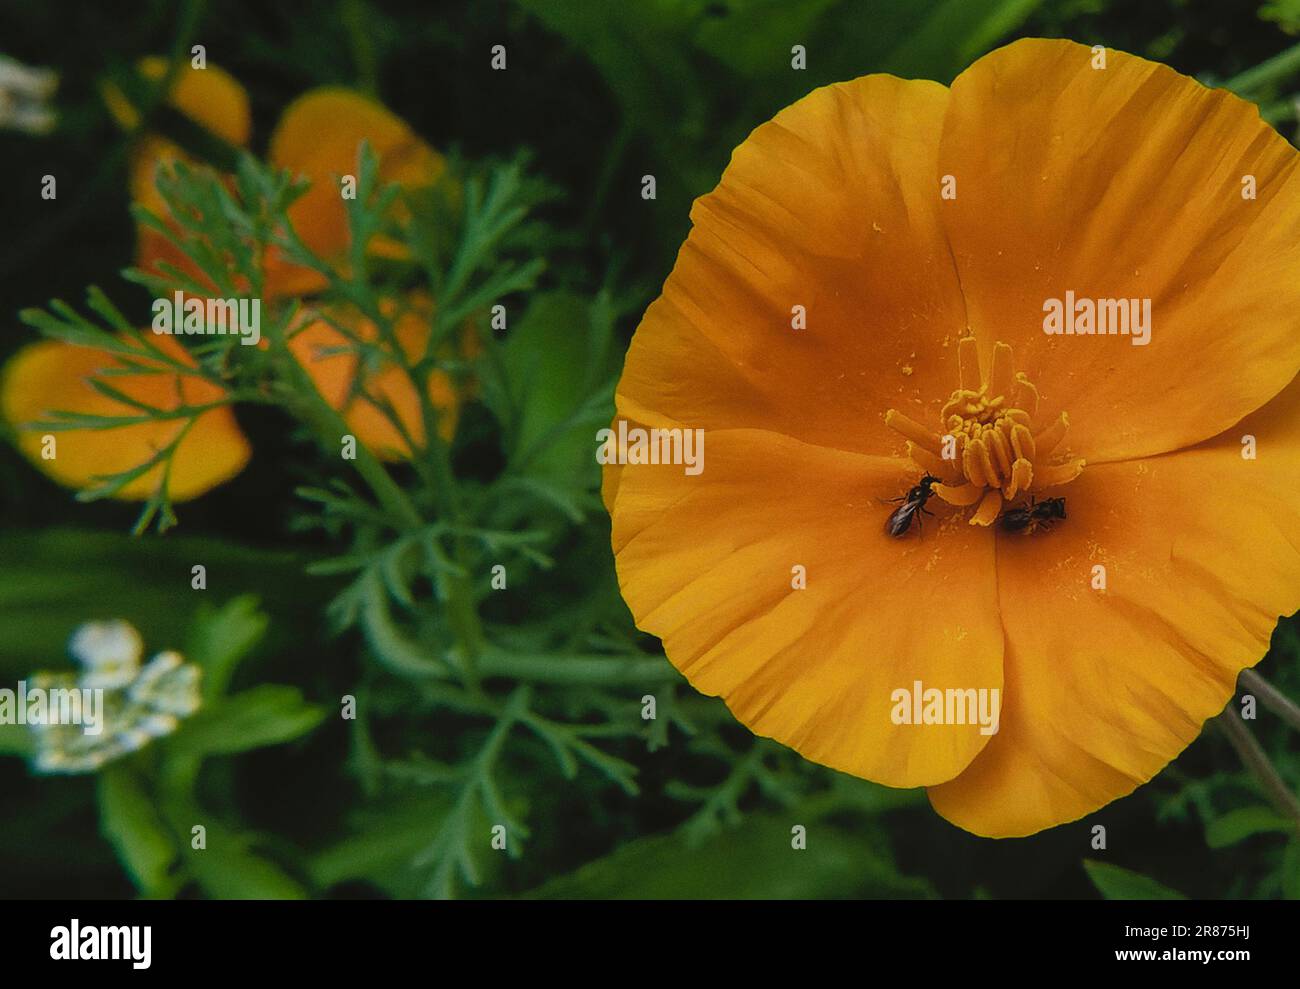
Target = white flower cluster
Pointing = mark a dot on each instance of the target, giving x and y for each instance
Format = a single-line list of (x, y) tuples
[(141, 703), (24, 97)]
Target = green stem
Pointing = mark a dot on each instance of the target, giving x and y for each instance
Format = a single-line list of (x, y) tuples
[(308, 405), (1278, 112), (355, 20), (608, 170), (1278, 67), (1256, 760), (1272, 698), (576, 669)]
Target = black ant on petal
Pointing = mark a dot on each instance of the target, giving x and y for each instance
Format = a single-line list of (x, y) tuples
[(1037, 515), (912, 507)]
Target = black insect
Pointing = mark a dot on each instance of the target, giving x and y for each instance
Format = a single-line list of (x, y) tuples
[(912, 507), (1036, 515)]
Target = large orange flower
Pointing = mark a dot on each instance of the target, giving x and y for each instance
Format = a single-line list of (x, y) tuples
[(924, 230), (317, 138)]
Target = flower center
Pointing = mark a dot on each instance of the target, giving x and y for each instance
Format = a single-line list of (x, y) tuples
[(989, 451)]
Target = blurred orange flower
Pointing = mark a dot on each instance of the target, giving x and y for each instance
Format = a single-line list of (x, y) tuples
[(1114, 636), (334, 365), (317, 138), (52, 376)]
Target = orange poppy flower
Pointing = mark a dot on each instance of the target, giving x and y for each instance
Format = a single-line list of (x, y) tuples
[(919, 235), (211, 98), (318, 138), (51, 376), (334, 364)]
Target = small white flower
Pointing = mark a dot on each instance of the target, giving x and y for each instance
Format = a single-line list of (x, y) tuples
[(110, 652), (140, 704), (25, 93), (168, 684)]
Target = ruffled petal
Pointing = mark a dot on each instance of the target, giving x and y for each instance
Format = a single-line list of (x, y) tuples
[(1125, 183), (826, 218)]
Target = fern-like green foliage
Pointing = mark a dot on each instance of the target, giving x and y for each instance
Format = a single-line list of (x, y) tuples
[(484, 689)]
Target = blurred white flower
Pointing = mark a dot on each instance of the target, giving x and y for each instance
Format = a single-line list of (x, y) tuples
[(110, 652), (25, 94), (141, 703)]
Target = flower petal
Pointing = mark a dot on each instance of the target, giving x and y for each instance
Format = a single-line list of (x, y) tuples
[(151, 153), (831, 206), (1201, 550), (210, 97), (611, 473), (319, 137), (331, 360), (51, 376), (706, 563), (1124, 182)]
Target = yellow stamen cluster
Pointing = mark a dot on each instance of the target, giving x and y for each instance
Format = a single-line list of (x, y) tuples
[(988, 452)]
